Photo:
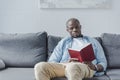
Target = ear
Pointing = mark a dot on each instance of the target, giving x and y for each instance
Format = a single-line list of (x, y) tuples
[(67, 29), (80, 26)]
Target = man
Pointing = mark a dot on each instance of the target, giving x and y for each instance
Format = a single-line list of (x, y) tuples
[(60, 64)]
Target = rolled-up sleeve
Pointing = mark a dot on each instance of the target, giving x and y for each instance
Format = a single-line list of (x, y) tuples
[(100, 55), (57, 53)]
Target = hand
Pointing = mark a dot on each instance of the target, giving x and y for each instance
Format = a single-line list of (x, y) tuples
[(90, 64), (73, 60)]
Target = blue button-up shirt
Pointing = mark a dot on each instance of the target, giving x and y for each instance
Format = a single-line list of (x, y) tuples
[(61, 54)]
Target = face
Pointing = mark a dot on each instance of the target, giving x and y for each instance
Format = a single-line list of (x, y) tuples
[(74, 29)]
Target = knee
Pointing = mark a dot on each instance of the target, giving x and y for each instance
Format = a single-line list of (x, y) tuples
[(73, 67), (40, 66), (70, 67)]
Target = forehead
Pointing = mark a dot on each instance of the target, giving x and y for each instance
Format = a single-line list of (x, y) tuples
[(73, 23)]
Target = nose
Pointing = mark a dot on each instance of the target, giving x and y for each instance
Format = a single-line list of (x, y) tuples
[(74, 29)]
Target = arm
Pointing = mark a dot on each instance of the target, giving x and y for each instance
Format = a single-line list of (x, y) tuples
[(100, 57), (97, 67), (57, 53)]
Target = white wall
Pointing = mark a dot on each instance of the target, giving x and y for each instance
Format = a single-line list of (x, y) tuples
[(22, 16)]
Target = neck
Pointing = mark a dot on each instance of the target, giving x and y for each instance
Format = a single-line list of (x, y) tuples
[(80, 36)]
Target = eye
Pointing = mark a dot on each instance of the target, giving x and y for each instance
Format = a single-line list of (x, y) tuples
[(71, 28)]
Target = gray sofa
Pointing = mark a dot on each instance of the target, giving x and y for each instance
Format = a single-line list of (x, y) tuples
[(20, 52)]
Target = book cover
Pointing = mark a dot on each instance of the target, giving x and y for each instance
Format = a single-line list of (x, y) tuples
[(85, 54)]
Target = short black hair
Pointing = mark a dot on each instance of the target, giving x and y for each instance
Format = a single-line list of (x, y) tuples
[(72, 19)]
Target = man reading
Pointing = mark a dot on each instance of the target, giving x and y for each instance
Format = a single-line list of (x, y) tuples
[(60, 64)]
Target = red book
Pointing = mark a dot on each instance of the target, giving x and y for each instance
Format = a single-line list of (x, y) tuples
[(85, 54)]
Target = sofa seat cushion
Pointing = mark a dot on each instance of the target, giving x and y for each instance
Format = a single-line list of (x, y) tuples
[(104, 77), (59, 78), (111, 45), (23, 50), (17, 74), (2, 64), (114, 74)]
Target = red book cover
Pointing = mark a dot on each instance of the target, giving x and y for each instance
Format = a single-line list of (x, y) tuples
[(85, 54)]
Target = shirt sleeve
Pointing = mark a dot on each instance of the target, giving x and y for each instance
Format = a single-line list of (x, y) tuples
[(100, 56), (57, 53)]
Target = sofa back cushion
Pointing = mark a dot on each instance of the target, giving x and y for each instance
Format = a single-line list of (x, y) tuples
[(2, 64), (111, 45), (23, 50)]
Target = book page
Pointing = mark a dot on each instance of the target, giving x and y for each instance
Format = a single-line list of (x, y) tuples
[(85, 45)]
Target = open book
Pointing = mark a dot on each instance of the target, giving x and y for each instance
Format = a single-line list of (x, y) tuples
[(85, 54)]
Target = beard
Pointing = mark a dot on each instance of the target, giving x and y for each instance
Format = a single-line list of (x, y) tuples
[(75, 35)]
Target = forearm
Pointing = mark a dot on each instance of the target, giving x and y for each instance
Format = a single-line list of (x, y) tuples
[(95, 67)]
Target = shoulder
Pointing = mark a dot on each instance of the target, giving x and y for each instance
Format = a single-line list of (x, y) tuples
[(64, 41), (91, 40)]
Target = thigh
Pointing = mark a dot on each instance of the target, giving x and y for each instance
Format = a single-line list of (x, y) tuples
[(57, 70)]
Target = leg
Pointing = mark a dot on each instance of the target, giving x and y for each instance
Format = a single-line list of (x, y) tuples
[(78, 71), (46, 71)]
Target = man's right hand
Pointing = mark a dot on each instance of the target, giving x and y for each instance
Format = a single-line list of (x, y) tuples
[(73, 60)]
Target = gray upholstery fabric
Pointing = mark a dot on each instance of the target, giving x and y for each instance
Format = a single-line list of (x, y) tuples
[(2, 64), (52, 42), (23, 50), (17, 74), (59, 78), (114, 74), (104, 77), (111, 45)]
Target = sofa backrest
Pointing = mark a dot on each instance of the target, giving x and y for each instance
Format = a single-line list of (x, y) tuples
[(111, 46), (23, 50)]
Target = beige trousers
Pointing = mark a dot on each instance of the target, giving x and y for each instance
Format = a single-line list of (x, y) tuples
[(73, 71)]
